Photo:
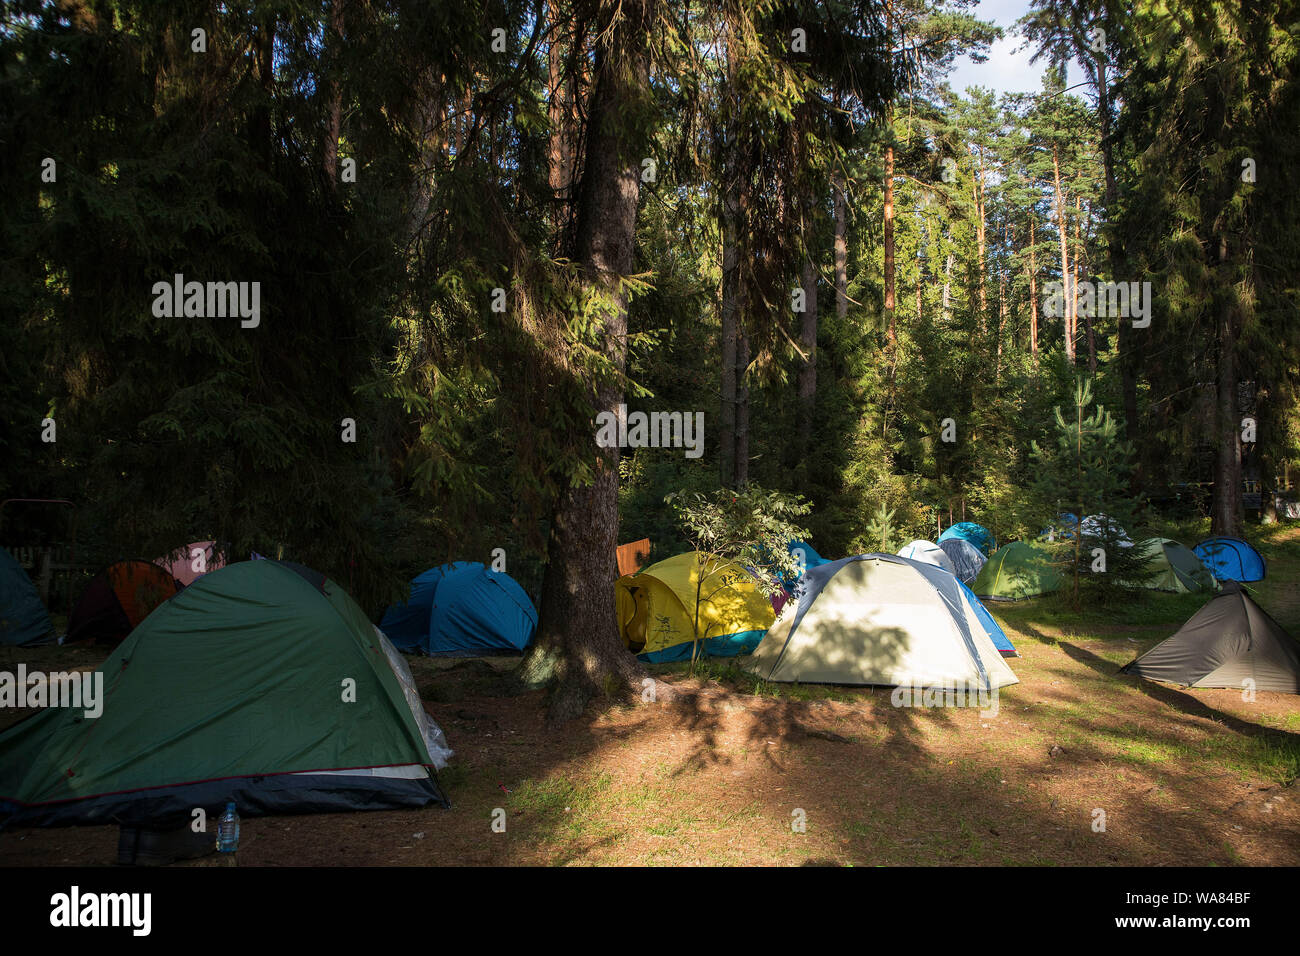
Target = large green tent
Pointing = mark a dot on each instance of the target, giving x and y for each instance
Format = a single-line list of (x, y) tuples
[(1170, 566), (1016, 571), (261, 683)]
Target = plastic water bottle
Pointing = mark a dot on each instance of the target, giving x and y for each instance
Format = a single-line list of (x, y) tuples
[(228, 830)]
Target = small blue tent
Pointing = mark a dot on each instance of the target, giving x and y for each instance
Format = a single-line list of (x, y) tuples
[(1231, 559), (976, 534), (995, 633), (23, 618), (462, 610), (1063, 528)]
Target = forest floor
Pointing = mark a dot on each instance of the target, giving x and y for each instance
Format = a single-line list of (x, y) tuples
[(718, 774)]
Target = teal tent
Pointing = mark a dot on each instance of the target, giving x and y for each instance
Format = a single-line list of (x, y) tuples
[(977, 535), (462, 610), (23, 618)]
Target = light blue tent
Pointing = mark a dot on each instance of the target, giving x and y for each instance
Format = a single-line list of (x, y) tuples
[(462, 610), (976, 534), (995, 633), (1231, 559), (23, 618)]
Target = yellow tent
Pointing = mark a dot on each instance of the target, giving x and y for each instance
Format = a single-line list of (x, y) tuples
[(657, 613)]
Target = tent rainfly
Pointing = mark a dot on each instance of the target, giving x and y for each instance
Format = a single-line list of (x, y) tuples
[(117, 599), (967, 560), (193, 561), (1230, 642), (976, 534), (1102, 528), (1172, 567), (1017, 571)]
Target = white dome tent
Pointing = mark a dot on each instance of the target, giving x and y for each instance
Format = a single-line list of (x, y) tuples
[(929, 552)]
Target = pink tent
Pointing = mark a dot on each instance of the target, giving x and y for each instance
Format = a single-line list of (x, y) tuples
[(182, 568)]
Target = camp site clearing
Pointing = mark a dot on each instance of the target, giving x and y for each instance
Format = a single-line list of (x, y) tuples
[(716, 772)]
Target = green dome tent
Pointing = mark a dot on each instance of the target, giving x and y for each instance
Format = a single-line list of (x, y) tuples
[(1172, 567), (261, 683), (1016, 571)]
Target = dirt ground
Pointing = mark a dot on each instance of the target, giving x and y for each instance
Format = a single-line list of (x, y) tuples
[(1078, 767), (715, 777)]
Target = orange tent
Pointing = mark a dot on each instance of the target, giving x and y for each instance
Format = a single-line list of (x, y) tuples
[(117, 599), (632, 555)]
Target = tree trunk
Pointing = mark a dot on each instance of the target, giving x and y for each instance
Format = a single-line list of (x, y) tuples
[(730, 296), (742, 396), (1033, 294), (1226, 512), (261, 122), (1081, 272), (1062, 229), (729, 306), (1124, 343), (808, 342), (841, 247), (334, 111), (947, 287), (1002, 302), (889, 241), (560, 150), (578, 643), (977, 192)]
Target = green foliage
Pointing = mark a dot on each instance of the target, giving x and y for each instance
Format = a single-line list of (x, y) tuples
[(1084, 471), (881, 530), (750, 526)]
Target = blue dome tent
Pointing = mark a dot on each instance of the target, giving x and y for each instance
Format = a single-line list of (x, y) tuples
[(976, 534), (995, 633), (1062, 528), (462, 610), (1231, 559)]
